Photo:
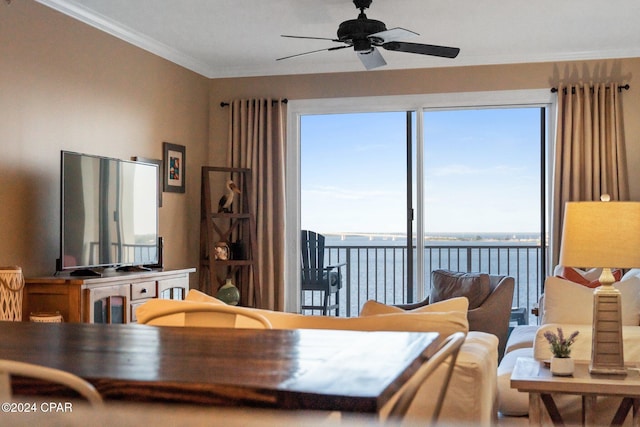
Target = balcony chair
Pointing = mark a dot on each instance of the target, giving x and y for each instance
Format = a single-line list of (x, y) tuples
[(315, 276), (9, 368), (198, 314), (490, 299), (448, 349)]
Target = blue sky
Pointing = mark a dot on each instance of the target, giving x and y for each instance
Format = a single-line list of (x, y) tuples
[(481, 171)]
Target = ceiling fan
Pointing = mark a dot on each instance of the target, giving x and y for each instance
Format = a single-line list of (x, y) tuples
[(365, 35)]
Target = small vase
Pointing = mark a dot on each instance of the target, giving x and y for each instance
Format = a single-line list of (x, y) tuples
[(561, 366), (228, 293)]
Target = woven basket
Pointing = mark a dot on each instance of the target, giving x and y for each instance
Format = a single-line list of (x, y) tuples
[(11, 285)]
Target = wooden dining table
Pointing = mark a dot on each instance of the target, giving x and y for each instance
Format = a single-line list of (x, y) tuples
[(333, 370)]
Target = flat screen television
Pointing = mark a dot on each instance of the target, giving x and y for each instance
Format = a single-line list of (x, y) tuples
[(109, 214)]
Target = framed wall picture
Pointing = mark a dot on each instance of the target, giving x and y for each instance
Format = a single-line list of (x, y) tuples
[(160, 174), (174, 167)]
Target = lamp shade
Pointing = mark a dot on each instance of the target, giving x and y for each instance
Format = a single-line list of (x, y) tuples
[(601, 234)]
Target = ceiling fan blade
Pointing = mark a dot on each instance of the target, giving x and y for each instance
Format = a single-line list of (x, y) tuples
[(310, 38), (423, 49), (313, 51), (372, 59), (392, 35)]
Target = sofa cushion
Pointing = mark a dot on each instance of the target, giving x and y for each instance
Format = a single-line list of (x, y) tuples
[(566, 302), (443, 323), (589, 278), (632, 272), (511, 401), (445, 284), (521, 337), (470, 399), (372, 307)]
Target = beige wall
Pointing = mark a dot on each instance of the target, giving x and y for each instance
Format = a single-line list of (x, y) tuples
[(67, 86), (427, 81)]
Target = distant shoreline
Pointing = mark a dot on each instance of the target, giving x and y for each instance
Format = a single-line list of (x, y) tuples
[(440, 237)]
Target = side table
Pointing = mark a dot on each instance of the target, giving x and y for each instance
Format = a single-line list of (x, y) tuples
[(530, 375)]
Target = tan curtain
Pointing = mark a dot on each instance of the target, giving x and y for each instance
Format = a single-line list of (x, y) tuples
[(589, 151), (257, 142)]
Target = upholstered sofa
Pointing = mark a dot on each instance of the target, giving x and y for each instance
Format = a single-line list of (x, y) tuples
[(472, 393), (568, 305)]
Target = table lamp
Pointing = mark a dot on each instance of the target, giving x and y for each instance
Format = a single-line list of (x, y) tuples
[(607, 235)]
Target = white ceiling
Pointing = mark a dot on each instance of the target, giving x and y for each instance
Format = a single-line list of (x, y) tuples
[(231, 38)]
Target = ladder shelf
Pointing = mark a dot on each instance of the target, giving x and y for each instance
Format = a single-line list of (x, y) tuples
[(228, 239)]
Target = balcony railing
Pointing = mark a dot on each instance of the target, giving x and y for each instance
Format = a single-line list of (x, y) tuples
[(380, 272)]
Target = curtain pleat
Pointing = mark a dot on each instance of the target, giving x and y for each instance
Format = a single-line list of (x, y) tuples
[(257, 142), (589, 150)]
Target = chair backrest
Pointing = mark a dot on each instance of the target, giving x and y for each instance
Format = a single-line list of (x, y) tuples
[(312, 257), (207, 315), (12, 367), (493, 316), (449, 349)]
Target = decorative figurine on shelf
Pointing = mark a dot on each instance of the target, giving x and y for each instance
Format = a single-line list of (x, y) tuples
[(224, 205), (228, 293), (221, 251)]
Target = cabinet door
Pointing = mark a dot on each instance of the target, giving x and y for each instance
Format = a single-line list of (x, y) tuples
[(173, 288), (134, 306), (108, 304)]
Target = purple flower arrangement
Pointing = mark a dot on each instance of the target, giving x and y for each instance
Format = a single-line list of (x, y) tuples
[(560, 346)]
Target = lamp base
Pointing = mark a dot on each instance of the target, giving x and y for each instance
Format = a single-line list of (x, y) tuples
[(607, 357), (594, 370)]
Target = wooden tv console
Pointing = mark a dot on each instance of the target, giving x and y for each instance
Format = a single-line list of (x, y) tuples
[(111, 298)]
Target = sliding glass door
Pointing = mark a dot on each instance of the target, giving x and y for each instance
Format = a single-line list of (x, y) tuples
[(453, 184)]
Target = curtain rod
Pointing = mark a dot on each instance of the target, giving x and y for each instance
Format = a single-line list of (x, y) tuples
[(573, 90), (284, 101)]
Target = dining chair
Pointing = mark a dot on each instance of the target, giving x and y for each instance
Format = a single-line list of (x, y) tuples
[(186, 313), (448, 349), (9, 368)]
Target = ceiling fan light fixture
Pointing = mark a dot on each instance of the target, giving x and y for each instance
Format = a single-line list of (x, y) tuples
[(362, 46)]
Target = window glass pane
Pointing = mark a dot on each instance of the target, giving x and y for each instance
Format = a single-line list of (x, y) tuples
[(353, 173), (482, 191), (482, 172), (353, 190)]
